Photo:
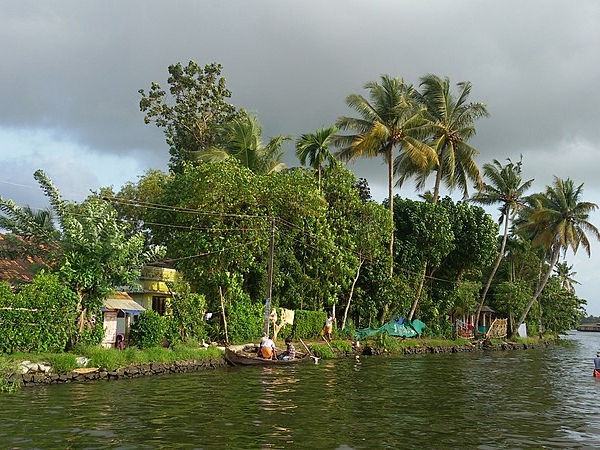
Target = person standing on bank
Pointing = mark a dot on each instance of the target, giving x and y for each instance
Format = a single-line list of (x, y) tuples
[(328, 327)]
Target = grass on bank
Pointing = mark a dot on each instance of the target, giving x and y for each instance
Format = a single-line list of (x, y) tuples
[(112, 359)]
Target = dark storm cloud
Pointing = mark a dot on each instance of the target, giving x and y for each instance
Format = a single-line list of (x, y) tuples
[(73, 69)]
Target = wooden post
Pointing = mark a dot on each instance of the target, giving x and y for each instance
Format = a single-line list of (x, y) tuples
[(223, 313)]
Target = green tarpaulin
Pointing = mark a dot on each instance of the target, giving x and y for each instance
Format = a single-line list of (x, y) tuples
[(405, 328)]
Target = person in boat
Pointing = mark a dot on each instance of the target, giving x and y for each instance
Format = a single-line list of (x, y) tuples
[(290, 350), (597, 362), (267, 348)]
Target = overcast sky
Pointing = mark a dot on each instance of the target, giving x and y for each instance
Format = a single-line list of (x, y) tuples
[(71, 71)]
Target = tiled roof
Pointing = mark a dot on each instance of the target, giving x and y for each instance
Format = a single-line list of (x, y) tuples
[(19, 270)]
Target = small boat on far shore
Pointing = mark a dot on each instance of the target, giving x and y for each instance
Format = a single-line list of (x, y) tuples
[(245, 355)]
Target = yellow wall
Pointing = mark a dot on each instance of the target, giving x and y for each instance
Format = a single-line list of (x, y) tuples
[(152, 284)]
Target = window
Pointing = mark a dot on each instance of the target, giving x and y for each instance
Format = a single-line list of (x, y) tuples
[(159, 305)]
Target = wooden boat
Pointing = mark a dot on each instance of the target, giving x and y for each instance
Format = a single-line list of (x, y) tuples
[(245, 355)]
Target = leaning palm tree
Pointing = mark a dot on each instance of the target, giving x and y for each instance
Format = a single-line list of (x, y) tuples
[(557, 221), (451, 124), (505, 187), (242, 140), (390, 118), (314, 148)]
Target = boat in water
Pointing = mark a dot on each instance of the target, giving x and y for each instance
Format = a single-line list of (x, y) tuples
[(246, 355)]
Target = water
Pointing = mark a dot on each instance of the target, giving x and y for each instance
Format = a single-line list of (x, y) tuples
[(518, 399)]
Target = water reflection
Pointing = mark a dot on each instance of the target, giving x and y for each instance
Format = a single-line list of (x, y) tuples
[(518, 399)]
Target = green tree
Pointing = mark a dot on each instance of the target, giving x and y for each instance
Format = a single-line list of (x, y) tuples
[(565, 274), (560, 308), (507, 188), (242, 140), (450, 123), (313, 148), (134, 201), (390, 118), (557, 221), (359, 231), (426, 239), (192, 113), (94, 254)]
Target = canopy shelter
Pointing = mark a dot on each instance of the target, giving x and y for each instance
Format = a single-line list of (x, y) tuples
[(119, 311), (400, 328)]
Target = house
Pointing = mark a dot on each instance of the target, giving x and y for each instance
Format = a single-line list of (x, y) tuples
[(16, 271), (152, 291), (463, 324), (119, 312)]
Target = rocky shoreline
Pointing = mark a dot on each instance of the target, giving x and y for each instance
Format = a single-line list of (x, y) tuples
[(94, 374), (43, 375)]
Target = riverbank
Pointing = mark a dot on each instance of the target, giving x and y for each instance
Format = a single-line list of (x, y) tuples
[(169, 361)]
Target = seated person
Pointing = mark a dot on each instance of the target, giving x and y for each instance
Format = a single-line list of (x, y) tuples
[(290, 350), (267, 348)]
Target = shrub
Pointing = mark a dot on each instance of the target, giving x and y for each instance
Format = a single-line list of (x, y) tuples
[(105, 358), (308, 324), (40, 318), (244, 319), (149, 330), (342, 346), (62, 362), (322, 351)]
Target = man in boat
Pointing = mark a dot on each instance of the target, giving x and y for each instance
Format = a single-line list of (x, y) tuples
[(267, 348), (290, 350), (597, 364)]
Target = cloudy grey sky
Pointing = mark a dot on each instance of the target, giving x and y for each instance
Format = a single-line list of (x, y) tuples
[(71, 71)]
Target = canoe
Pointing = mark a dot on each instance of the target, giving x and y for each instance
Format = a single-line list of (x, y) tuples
[(240, 357), (596, 373)]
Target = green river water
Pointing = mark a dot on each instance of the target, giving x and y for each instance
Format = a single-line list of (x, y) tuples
[(485, 400)]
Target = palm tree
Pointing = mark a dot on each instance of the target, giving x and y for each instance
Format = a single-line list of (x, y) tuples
[(314, 148), (505, 187), (242, 140), (390, 118), (451, 125), (565, 275), (558, 221)]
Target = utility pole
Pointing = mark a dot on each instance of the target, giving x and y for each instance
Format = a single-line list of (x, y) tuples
[(269, 277)]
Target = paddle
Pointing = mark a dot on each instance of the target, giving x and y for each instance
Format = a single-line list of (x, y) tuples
[(309, 352), (327, 342)]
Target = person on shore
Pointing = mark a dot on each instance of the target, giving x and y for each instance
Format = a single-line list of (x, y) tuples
[(267, 348), (328, 327), (597, 364), (290, 350)]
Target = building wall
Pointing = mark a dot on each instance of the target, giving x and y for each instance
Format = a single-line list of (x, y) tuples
[(153, 284), (110, 329)]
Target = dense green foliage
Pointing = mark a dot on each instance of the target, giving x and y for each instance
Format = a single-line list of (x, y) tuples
[(192, 112), (39, 318), (227, 209), (308, 324), (149, 330)]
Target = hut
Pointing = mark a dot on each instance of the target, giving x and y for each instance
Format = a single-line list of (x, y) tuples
[(119, 312)]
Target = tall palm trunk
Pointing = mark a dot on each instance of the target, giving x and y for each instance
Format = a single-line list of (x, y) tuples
[(540, 288), (418, 294), (493, 273), (391, 197)]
